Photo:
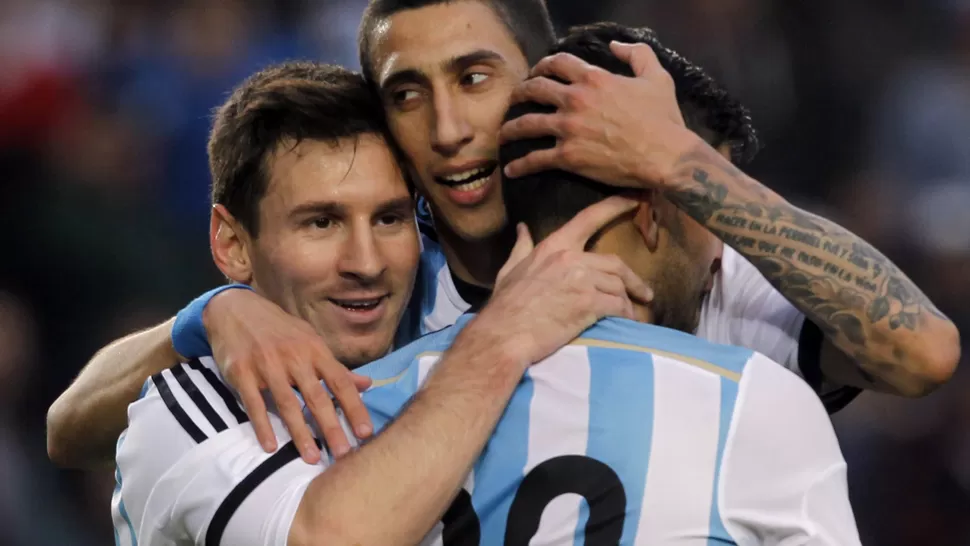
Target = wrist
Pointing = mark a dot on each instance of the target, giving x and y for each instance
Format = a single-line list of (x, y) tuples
[(671, 172), (190, 336)]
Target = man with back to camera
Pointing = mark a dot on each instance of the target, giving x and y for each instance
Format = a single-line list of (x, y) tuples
[(622, 416), (311, 210), (879, 330)]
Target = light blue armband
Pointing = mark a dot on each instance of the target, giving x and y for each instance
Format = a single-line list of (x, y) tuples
[(188, 334)]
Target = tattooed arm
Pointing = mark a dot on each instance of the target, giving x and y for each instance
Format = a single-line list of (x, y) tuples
[(882, 333)]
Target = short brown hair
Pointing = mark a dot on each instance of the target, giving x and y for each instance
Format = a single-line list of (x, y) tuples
[(286, 102)]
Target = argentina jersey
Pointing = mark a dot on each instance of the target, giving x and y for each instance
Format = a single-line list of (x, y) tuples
[(435, 303), (637, 434)]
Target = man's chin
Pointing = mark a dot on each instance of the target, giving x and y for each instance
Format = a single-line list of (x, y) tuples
[(363, 353)]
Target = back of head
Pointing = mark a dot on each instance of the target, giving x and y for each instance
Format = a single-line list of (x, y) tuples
[(527, 20), (285, 103), (546, 200)]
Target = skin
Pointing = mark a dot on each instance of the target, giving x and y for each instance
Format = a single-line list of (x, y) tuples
[(446, 88), (336, 225), (881, 332)]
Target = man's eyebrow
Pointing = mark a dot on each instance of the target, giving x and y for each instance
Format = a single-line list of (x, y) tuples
[(400, 204), (407, 75), (318, 207), (461, 62), (457, 63)]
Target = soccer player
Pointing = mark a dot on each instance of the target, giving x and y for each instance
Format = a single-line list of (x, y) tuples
[(446, 71), (312, 212), (631, 434)]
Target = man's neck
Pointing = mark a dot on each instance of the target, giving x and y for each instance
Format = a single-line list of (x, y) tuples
[(475, 262)]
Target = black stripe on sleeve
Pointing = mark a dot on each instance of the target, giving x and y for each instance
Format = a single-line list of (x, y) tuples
[(173, 407), (222, 390), (198, 398), (810, 362), (235, 498)]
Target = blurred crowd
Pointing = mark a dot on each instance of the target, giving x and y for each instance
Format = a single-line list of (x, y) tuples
[(864, 107)]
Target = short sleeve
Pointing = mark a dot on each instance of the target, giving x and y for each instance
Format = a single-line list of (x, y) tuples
[(743, 309), (190, 469), (783, 477)]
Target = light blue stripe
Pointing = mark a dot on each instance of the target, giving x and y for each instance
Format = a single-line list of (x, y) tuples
[(386, 402), (121, 503), (648, 336), (499, 470), (424, 296), (729, 395), (621, 400)]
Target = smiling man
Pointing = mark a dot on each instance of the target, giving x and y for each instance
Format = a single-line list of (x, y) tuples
[(311, 211), (777, 279)]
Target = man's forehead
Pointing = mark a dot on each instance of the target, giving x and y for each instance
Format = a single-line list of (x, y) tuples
[(429, 39), (353, 169)]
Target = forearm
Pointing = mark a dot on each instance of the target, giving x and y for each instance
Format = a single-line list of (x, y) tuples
[(395, 488), (866, 306), (84, 423)]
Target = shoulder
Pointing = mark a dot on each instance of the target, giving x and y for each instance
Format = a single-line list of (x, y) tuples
[(646, 338)]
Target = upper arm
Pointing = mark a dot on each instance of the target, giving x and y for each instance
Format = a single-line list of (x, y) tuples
[(190, 468), (783, 475)]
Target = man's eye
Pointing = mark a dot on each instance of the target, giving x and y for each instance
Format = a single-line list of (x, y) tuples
[(475, 78), (390, 220), (403, 96), (322, 223)]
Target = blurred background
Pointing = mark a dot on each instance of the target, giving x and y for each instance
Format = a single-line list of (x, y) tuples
[(864, 106)]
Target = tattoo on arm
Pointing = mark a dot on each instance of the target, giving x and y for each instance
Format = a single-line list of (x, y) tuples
[(844, 285)]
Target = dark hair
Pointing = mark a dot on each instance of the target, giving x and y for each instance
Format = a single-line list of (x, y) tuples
[(546, 200), (527, 20), (289, 102)]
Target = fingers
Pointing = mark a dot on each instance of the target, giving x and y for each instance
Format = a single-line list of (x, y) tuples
[(543, 91), (292, 414), (610, 287), (531, 126), (534, 162), (577, 232), (523, 246), (345, 391), (255, 407), (318, 401), (362, 382), (641, 57), (632, 285), (563, 66)]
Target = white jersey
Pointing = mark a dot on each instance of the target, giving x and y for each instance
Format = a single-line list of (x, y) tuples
[(743, 309), (633, 434)]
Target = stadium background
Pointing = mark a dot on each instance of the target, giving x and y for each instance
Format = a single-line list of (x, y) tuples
[(864, 106)]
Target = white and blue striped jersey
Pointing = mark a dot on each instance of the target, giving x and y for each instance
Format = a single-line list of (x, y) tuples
[(742, 309), (632, 434)]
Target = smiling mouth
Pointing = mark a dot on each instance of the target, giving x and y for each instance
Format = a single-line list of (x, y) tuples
[(469, 180), (358, 305)]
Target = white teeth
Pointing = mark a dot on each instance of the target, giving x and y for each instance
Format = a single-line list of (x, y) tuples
[(464, 176), (472, 185)]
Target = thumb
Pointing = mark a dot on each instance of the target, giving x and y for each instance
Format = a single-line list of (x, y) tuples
[(523, 246), (640, 57)]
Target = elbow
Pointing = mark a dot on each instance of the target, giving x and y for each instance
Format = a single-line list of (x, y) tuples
[(935, 359), (57, 450)]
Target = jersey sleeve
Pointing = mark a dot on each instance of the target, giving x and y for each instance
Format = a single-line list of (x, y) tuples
[(745, 310), (783, 477), (191, 471)]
